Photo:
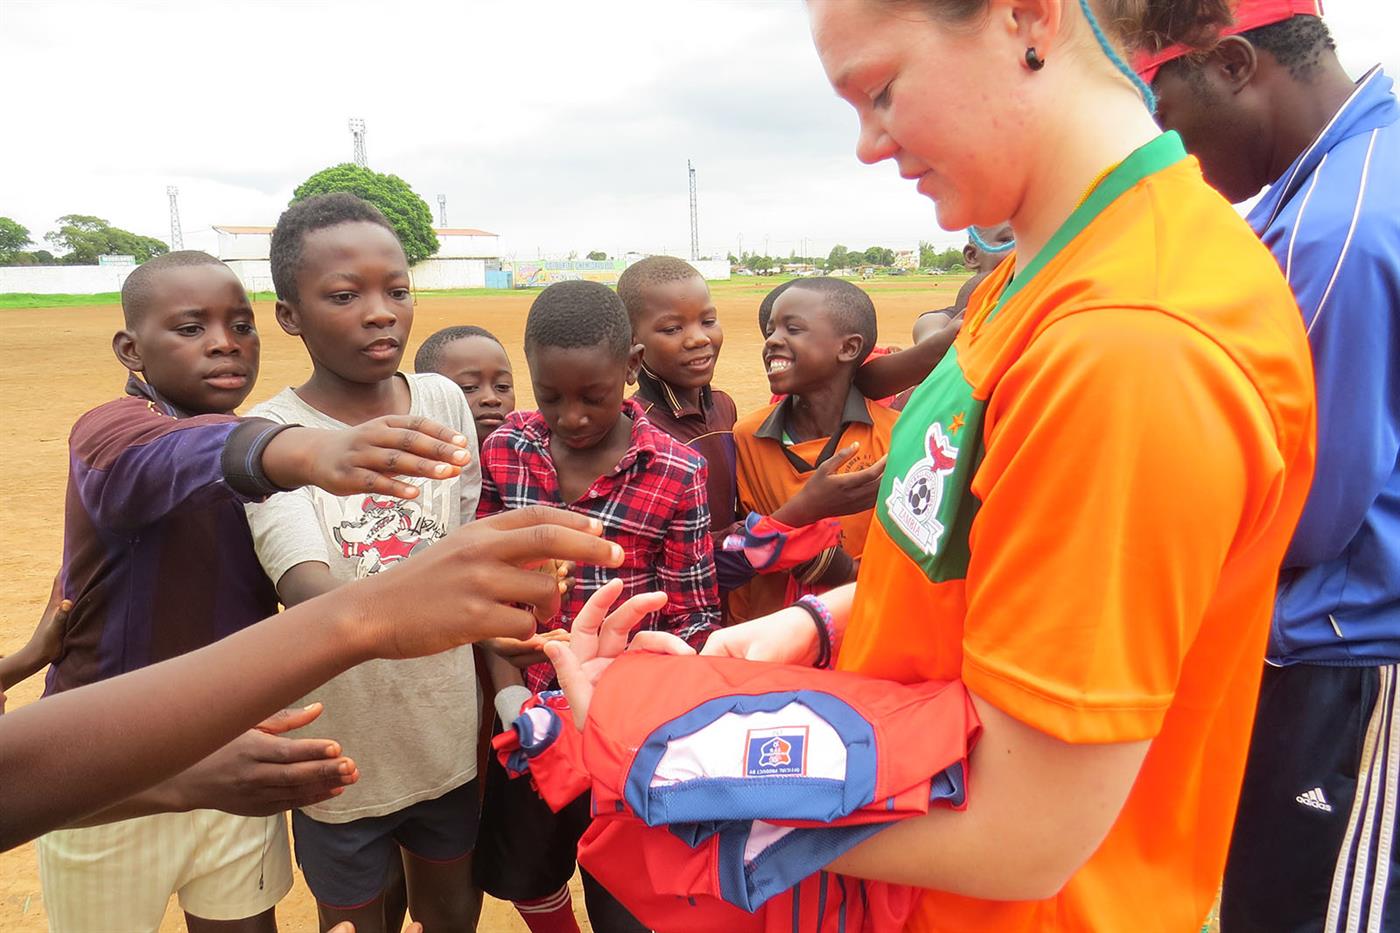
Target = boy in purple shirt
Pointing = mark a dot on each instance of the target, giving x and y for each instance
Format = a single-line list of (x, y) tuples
[(158, 561)]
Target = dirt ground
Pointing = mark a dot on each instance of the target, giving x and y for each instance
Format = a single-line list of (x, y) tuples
[(60, 364)]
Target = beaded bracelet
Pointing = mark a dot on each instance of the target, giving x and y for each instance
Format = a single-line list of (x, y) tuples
[(826, 628)]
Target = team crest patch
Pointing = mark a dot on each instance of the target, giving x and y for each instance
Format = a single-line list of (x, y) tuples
[(776, 752), (916, 496)]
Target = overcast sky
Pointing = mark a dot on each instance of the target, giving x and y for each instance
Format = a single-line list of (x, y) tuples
[(560, 126)]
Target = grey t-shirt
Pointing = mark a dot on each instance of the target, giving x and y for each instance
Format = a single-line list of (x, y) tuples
[(409, 725)]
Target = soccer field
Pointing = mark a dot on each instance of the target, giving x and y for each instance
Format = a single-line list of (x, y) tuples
[(60, 364)]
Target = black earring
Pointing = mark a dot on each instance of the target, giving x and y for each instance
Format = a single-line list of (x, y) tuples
[(1033, 61)]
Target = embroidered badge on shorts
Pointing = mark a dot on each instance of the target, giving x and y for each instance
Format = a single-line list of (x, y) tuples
[(776, 752)]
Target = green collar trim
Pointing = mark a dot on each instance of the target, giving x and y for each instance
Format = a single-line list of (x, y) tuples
[(1162, 152)]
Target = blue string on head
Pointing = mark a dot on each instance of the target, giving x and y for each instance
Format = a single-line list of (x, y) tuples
[(1149, 98), (986, 247)]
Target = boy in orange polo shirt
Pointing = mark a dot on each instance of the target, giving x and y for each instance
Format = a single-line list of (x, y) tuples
[(820, 332)]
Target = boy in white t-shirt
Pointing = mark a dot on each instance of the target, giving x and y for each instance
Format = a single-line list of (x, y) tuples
[(343, 288)]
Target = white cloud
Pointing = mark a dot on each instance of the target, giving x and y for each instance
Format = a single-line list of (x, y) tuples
[(560, 126)]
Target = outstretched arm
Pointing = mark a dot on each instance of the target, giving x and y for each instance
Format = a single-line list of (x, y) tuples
[(893, 373), (462, 590)]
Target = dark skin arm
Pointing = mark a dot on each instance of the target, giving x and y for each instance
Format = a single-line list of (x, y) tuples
[(904, 369), (463, 589), (367, 457)]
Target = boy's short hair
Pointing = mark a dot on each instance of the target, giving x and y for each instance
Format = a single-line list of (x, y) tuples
[(765, 307), (136, 290), (850, 307), (579, 314), (430, 353), (645, 273), (307, 216)]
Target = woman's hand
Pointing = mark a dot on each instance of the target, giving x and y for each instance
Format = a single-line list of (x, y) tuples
[(788, 636), (599, 636)]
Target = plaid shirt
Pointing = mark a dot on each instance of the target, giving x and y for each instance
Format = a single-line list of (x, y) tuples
[(652, 503)]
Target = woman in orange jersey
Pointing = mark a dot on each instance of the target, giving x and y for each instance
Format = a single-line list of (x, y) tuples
[(1086, 503)]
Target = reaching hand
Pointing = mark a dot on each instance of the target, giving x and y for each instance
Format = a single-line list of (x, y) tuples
[(470, 585), (828, 494), (262, 772), (47, 640), (529, 651), (367, 457), (600, 636)]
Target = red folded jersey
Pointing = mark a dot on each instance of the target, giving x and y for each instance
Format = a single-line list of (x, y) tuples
[(718, 802), (774, 547)]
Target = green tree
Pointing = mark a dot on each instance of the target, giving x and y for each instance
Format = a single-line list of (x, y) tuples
[(408, 213), (598, 255), (878, 256), (13, 238), (838, 258), (83, 238)]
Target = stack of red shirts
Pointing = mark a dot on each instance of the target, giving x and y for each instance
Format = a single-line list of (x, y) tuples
[(722, 788)]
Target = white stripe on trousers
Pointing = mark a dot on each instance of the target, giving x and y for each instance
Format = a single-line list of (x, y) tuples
[(1374, 801)]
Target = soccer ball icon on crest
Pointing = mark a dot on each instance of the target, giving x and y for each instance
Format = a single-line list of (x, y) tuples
[(914, 500)]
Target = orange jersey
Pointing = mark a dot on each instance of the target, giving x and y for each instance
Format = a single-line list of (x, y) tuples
[(1083, 515), (770, 472)]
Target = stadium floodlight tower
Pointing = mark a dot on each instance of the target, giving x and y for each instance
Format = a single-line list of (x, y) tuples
[(442, 210), (177, 236), (357, 130), (694, 223)]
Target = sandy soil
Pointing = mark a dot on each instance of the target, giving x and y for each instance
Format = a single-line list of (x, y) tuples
[(59, 364)]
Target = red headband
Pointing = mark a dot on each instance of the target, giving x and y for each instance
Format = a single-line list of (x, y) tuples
[(1249, 14)]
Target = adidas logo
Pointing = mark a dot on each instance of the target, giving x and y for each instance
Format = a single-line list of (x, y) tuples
[(1314, 799)]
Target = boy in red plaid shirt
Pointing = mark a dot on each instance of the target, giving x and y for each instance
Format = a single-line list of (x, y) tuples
[(590, 450)]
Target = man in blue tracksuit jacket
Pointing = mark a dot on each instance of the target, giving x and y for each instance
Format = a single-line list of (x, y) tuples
[(1314, 843)]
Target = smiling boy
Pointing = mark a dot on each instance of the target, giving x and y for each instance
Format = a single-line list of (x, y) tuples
[(820, 332)]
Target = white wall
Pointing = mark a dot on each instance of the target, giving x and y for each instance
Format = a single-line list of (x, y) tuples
[(244, 245), (448, 273), (467, 247), (255, 274), (712, 269), (63, 280)]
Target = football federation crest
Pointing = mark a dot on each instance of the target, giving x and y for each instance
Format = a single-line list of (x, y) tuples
[(775, 752), (914, 500)]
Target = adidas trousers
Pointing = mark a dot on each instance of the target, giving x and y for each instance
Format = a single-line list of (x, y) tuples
[(1314, 841)]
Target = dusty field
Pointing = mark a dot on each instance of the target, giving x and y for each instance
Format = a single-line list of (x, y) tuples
[(60, 364)]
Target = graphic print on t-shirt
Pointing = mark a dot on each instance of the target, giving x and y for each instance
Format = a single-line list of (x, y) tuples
[(377, 532)]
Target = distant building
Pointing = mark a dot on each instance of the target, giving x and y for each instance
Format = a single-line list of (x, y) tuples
[(460, 262)]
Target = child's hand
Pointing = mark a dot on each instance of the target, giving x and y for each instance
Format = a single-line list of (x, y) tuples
[(470, 585), (828, 494), (367, 457), (523, 653), (261, 772), (47, 641)]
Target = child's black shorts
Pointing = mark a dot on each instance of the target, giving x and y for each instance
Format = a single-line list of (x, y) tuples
[(524, 851), (347, 865)]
